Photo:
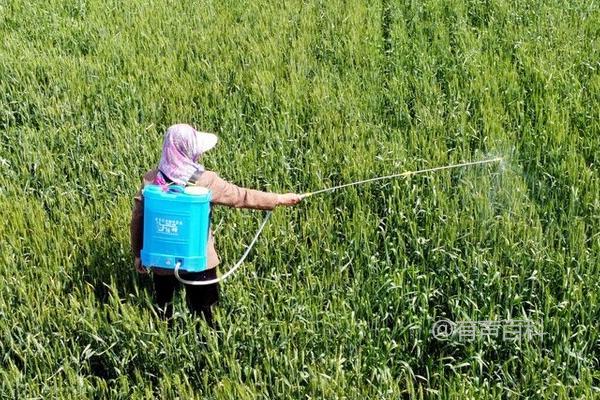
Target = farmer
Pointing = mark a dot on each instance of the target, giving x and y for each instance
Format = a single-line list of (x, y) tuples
[(183, 147)]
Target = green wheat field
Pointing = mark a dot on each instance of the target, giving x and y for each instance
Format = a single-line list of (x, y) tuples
[(339, 297)]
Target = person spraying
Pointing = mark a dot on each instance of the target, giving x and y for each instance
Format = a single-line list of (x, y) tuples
[(183, 147)]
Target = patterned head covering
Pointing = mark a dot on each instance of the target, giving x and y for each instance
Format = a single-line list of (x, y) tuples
[(182, 148)]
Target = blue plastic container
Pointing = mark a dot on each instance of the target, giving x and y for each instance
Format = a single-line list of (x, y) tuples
[(176, 226)]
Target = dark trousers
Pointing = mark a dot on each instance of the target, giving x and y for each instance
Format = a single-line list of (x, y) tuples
[(199, 299)]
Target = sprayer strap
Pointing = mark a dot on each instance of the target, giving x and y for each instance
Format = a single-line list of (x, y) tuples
[(195, 177)]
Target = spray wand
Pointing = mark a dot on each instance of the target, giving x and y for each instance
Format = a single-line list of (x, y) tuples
[(407, 173)]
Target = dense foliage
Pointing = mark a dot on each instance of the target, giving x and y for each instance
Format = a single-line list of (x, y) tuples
[(341, 292)]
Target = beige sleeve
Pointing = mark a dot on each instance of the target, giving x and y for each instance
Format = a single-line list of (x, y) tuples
[(228, 194), (136, 227)]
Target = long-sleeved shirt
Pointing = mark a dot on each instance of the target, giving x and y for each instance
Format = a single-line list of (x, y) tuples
[(223, 193)]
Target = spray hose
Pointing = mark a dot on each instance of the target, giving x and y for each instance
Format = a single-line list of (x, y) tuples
[(234, 268), (309, 194)]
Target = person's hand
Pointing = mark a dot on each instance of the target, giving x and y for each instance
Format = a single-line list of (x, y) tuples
[(139, 267), (289, 199)]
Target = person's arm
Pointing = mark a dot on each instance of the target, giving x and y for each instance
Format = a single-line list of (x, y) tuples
[(136, 230), (228, 194)]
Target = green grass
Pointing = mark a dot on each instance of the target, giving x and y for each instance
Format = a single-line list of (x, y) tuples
[(340, 295)]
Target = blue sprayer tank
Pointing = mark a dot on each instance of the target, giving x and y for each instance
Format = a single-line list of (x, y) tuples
[(176, 226)]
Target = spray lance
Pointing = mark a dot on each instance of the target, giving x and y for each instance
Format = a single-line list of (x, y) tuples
[(173, 219)]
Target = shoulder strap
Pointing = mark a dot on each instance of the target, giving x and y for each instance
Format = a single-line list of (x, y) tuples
[(195, 177)]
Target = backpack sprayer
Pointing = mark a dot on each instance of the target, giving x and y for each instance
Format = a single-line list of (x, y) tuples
[(177, 223)]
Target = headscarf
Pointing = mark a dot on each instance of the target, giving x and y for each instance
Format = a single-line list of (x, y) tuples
[(182, 148)]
